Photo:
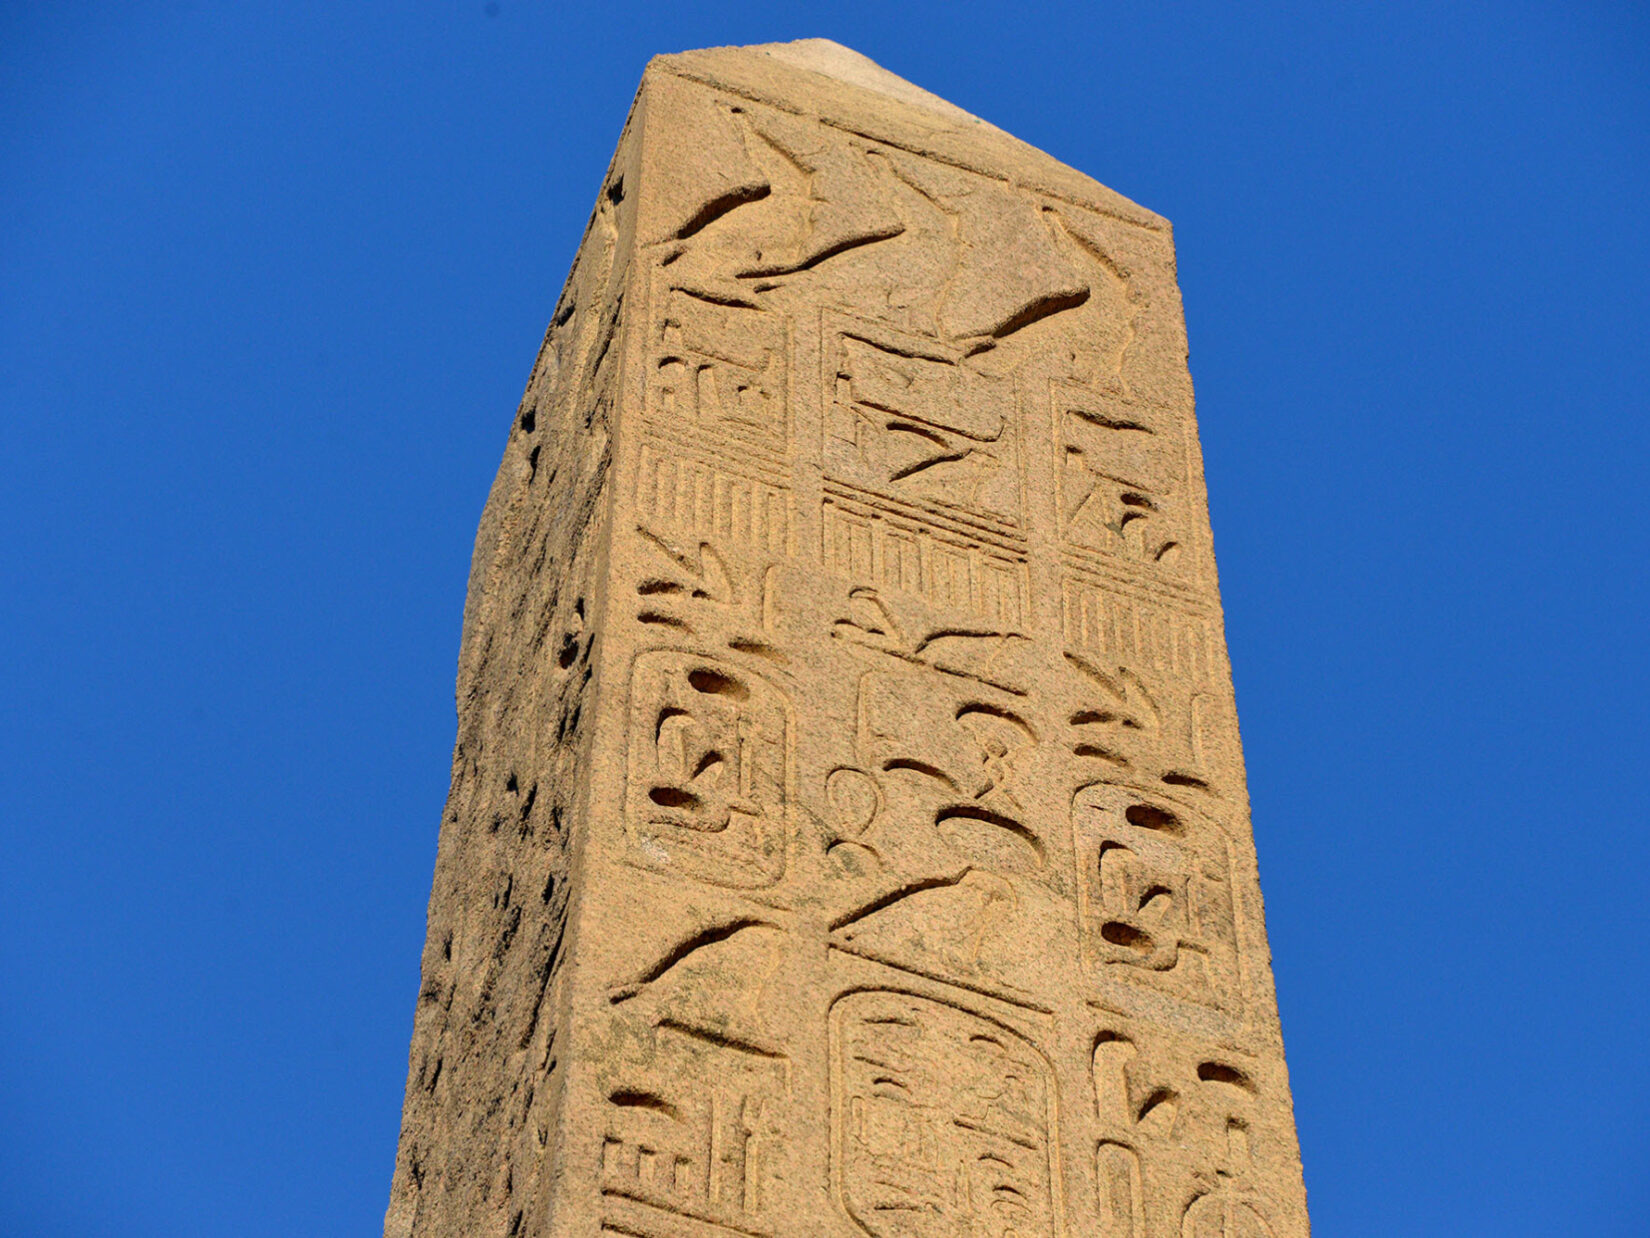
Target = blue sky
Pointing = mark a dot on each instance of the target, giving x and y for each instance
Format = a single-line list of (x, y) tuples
[(271, 280)]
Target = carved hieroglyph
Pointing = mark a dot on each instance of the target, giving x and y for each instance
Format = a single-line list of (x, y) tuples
[(848, 832)]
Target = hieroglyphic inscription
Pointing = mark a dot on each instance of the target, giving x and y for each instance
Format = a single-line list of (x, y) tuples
[(709, 770), (910, 418), (724, 369), (680, 490), (695, 1078), (946, 568), (1179, 1124), (1130, 629), (693, 1134), (913, 895), (943, 1122), (1121, 475), (1155, 901), (937, 806), (1225, 1212), (695, 588), (715, 461), (943, 814)]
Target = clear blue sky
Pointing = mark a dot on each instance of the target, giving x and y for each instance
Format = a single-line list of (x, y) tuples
[(271, 279)]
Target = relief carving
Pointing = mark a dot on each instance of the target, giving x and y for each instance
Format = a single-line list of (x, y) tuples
[(724, 369), (1001, 265), (1121, 477), (714, 983), (990, 654), (806, 197), (1149, 726), (709, 774), (912, 419), (1098, 336), (696, 1074), (1150, 634), (1155, 901), (833, 197), (1178, 1122), (946, 567), (702, 591), (698, 494), (940, 806), (686, 196), (694, 1132), (943, 1122), (1224, 1213)]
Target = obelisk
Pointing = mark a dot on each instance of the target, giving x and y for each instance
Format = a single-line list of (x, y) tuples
[(848, 831)]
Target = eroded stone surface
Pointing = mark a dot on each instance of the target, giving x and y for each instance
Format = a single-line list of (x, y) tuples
[(848, 832)]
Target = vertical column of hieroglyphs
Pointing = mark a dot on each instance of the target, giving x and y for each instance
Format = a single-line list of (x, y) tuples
[(916, 895)]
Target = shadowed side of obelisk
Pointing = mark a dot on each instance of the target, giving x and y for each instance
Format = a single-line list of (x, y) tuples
[(483, 1085)]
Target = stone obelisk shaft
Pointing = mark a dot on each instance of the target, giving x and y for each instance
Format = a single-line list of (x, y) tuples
[(848, 832)]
